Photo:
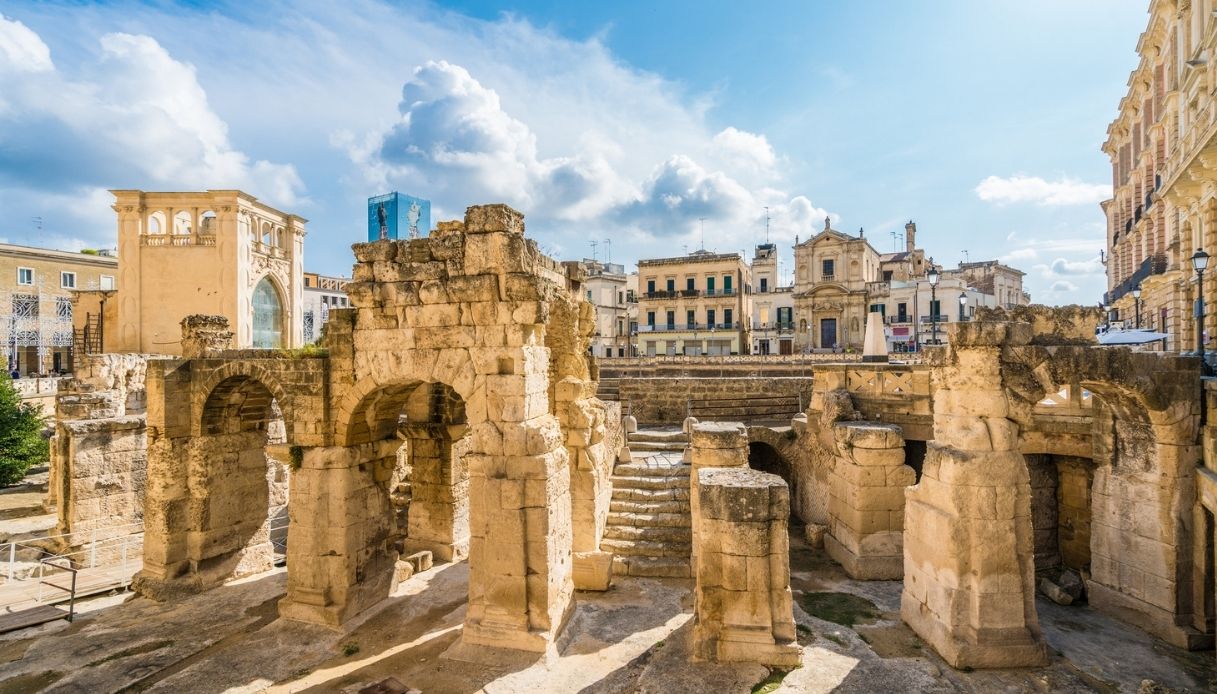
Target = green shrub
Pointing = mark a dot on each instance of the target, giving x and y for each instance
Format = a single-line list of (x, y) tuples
[(21, 442)]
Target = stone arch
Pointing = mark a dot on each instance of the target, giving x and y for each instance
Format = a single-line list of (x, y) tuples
[(156, 223), (208, 222), (209, 519), (240, 371), (776, 451), (183, 223)]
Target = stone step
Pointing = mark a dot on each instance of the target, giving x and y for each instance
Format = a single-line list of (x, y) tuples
[(650, 495), (659, 435), (652, 567), (660, 534), (659, 469), (649, 507), (656, 446), (649, 520), (649, 482), (646, 548)]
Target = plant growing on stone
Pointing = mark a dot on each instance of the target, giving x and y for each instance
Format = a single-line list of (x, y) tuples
[(21, 441)]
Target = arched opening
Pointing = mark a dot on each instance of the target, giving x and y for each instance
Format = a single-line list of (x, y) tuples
[(236, 489), (765, 458), (914, 457), (1061, 513), (207, 222), (182, 223), (268, 316), (156, 223), (411, 441)]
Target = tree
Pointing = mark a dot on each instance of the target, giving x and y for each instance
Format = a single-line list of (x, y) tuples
[(21, 441)]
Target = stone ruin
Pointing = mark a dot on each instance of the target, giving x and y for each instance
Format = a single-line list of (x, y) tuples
[(452, 411)]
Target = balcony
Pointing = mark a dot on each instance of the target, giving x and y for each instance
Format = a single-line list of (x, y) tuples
[(690, 293), (1153, 265), (779, 327), (940, 318), (686, 327), (660, 295), (729, 291), (177, 240), (828, 277), (897, 320)]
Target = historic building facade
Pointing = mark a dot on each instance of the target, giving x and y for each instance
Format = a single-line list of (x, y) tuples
[(772, 304), (218, 252), (606, 288), (36, 307), (832, 270), (700, 303), (1164, 174)]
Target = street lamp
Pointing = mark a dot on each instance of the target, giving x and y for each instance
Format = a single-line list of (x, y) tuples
[(1106, 316), (1136, 297), (932, 278), (963, 301), (1200, 261)]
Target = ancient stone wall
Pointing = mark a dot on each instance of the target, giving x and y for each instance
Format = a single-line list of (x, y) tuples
[(866, 504), (743, 609), (664, 401)]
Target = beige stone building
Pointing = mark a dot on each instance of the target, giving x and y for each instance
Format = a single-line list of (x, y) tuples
[(832, 270), (218, 252), (992, 277), (700, 303), (1164, 202), (606, 288), (772, 305), (36, 289)]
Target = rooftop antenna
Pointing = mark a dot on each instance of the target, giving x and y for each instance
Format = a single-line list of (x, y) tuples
[(703, 232), (895, 240), (594, 244), (608, 250), (766, 224), (37, 222), (966, 259)]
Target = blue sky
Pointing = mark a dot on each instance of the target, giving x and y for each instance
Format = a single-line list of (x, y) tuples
[(628, 121)]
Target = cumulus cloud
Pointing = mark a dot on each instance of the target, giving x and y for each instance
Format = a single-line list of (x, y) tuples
[(1033, 189), (137, 117), (454, 138), (1063, 286), (22, 50), (745, 149)]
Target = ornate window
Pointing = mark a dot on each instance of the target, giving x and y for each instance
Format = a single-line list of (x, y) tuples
[(268, 316)]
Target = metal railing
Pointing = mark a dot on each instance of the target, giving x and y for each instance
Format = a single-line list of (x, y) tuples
[(120, 542)]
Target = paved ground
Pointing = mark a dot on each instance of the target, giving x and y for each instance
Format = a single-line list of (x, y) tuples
[(634, 638)]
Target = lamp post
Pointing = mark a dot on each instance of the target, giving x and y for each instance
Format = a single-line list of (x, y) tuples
[(932, 278), (1200, 261), (1136, 297), (963, 301)]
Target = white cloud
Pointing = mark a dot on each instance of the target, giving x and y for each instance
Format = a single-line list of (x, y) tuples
[(21, 50), (1063, 286), (1060, 266), (1033, 189), (745, 149), (135, 117)]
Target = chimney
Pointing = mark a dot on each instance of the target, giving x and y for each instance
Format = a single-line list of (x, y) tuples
[(910, 236)]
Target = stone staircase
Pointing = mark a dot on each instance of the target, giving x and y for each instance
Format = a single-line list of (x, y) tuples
[(649, 521), (608, 389)]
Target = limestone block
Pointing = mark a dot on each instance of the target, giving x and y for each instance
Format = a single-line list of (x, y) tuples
[(420, 561), (593, 570), (718, 435), (814, 532)]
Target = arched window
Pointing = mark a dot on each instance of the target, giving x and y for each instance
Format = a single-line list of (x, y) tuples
[(268, 316)]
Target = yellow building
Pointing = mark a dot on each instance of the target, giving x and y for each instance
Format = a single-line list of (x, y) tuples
[(36, 309), (699, 303), (219, 252), (832, 270), (321, 293), (1162, 145)]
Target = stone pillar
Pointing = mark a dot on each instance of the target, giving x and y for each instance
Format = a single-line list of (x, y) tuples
[(204, 334), (439, 491), (713, 444), (591, 455), (342, 529), (866, 500), (969, 577), (742, 601)]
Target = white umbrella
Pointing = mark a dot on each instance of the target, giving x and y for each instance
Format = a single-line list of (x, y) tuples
[(1130, 337)]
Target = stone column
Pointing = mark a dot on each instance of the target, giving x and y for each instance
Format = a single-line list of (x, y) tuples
[(866, 500), (713, 444), (742, 601), (202, 335), (591, 461), (439, 491), (969, 578)]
